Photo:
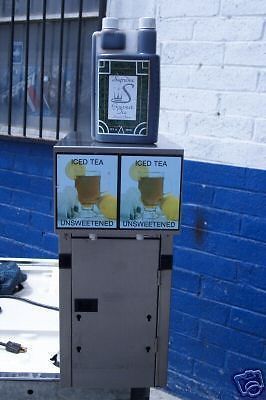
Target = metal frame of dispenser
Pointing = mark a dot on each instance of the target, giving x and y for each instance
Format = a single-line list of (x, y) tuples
[(114, 286)]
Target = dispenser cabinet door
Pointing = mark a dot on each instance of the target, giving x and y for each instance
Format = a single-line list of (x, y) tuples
[(114, 304)]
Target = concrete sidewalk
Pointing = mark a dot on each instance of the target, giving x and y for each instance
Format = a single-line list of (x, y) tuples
[(162, 395)]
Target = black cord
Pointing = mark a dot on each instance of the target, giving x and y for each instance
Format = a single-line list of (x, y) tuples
[(34, 303)]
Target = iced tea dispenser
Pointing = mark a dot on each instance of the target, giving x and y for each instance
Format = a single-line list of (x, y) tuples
[(117, 208)]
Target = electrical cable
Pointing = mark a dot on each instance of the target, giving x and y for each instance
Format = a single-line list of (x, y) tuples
[(13, 347), (34, 303)]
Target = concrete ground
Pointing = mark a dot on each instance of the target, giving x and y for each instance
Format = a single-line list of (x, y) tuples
[(20, 390), (162, 395)]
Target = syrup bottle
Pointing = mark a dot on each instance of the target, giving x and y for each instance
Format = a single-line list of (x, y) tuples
[(126, 83)]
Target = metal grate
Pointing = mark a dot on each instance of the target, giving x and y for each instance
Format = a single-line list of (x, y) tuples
[(45, 65)]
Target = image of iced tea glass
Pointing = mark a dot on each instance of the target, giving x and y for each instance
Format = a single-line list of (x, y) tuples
[(88, 189), (151, 189)]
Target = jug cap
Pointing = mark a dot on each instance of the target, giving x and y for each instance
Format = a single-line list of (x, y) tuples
[(110, 23), (147, 23)]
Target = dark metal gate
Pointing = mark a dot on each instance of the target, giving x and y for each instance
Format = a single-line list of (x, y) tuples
[(45, 65)]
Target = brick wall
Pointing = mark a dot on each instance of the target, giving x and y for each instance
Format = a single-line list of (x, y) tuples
[(26, 200), (213, 102), (213, 79), (218, 319)]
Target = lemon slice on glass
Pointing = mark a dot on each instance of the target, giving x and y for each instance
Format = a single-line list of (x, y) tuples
[(170, 207), (107, 204), (74, 170), (138, 171)]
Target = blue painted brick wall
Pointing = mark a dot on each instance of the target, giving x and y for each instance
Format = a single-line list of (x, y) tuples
[(26, 200), (218, 314)]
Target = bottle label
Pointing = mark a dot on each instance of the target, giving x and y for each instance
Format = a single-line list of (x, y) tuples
[(123, 87), (122, 97)]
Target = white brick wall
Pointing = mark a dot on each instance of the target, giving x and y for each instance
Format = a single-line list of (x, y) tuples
[(260, 130), (221, 78), (245, 54), (243, 7), (262, 82), (188, 100), (131, 9), (228, 29), (228, 127), (192, 53), (185, 8), (244, 104), (213, 75)]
